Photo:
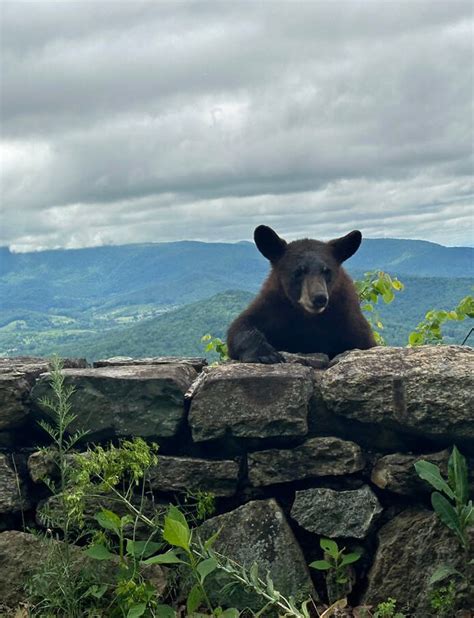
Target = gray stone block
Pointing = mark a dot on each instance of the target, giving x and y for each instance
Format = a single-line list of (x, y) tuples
[(17, 377), (251, 401), (314, 458), (427, 390), (189, 473), (258, 532), (337, 514), (141, 400)]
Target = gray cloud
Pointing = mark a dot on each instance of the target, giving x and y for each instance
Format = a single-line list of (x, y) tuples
[(138, 121)]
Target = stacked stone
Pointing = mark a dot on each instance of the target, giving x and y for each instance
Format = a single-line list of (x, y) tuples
[(293, 452)]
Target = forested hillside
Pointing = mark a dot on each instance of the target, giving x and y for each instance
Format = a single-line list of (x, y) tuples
[(154, 299)]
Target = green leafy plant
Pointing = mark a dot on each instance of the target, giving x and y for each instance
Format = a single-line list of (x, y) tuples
[(450, 501), (336, 563), (59, 587), (133, 595), (114, 472), (264, 587), (429, 330), (202, 504), (59, 405), (374, 286), (387, 609), (64, 584), (214, 344), (443, 600), (178, 534)]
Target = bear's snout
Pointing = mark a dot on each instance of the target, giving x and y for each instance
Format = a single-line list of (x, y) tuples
[(320, 301), (314, 295)]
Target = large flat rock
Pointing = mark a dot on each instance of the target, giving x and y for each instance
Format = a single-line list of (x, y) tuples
[(411, 547), (251, 401), (198, 362), (427, 390), (316, 457), (137, 400), (258, 532), (337, 514), (192, 474), (17, 377)]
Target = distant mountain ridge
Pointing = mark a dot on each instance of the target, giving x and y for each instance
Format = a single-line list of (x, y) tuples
[(150, 299), (178, 273)]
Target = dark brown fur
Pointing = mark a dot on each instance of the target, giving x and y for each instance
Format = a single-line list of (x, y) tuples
[(275, 320)]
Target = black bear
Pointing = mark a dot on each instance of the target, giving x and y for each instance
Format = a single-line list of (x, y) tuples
[(307, 304)]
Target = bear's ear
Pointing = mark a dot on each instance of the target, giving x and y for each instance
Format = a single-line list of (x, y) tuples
[(345, 246), (269, 243)]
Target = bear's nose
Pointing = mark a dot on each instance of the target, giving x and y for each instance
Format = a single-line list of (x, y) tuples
[(319, 301)]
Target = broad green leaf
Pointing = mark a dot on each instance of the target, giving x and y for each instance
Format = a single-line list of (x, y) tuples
[(447, 514), (443, 572), (457, 475), (142, 549), (175, 514), (108, 520), (194, 600), (350, 558), (136, 610), (99, 552), (175, 533), (430, 472), (321, 565), (206, 567), (169, 558), (329, 547)]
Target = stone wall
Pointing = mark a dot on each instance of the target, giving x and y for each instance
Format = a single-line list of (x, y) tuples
[(292, 452)]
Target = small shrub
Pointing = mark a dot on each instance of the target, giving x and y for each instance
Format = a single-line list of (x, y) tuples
[(429, 330), (214, 344), (387, 609), (451, 505), (374, 286), (443, 600), (336, 564)]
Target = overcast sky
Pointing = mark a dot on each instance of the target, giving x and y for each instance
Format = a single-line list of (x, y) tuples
[(150, 121)]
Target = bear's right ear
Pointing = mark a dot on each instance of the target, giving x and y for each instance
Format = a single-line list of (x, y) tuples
[(269, 243)]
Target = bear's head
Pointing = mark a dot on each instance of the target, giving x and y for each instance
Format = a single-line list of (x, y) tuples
[(307, 269)]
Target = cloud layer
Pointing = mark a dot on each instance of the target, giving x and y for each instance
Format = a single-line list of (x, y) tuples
[(152, 121)]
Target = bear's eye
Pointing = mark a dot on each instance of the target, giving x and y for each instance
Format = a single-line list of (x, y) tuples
[(326, 271), (300, 271)]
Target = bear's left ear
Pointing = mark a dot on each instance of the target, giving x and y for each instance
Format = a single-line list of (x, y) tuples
[(345, 246), (269, 243)]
